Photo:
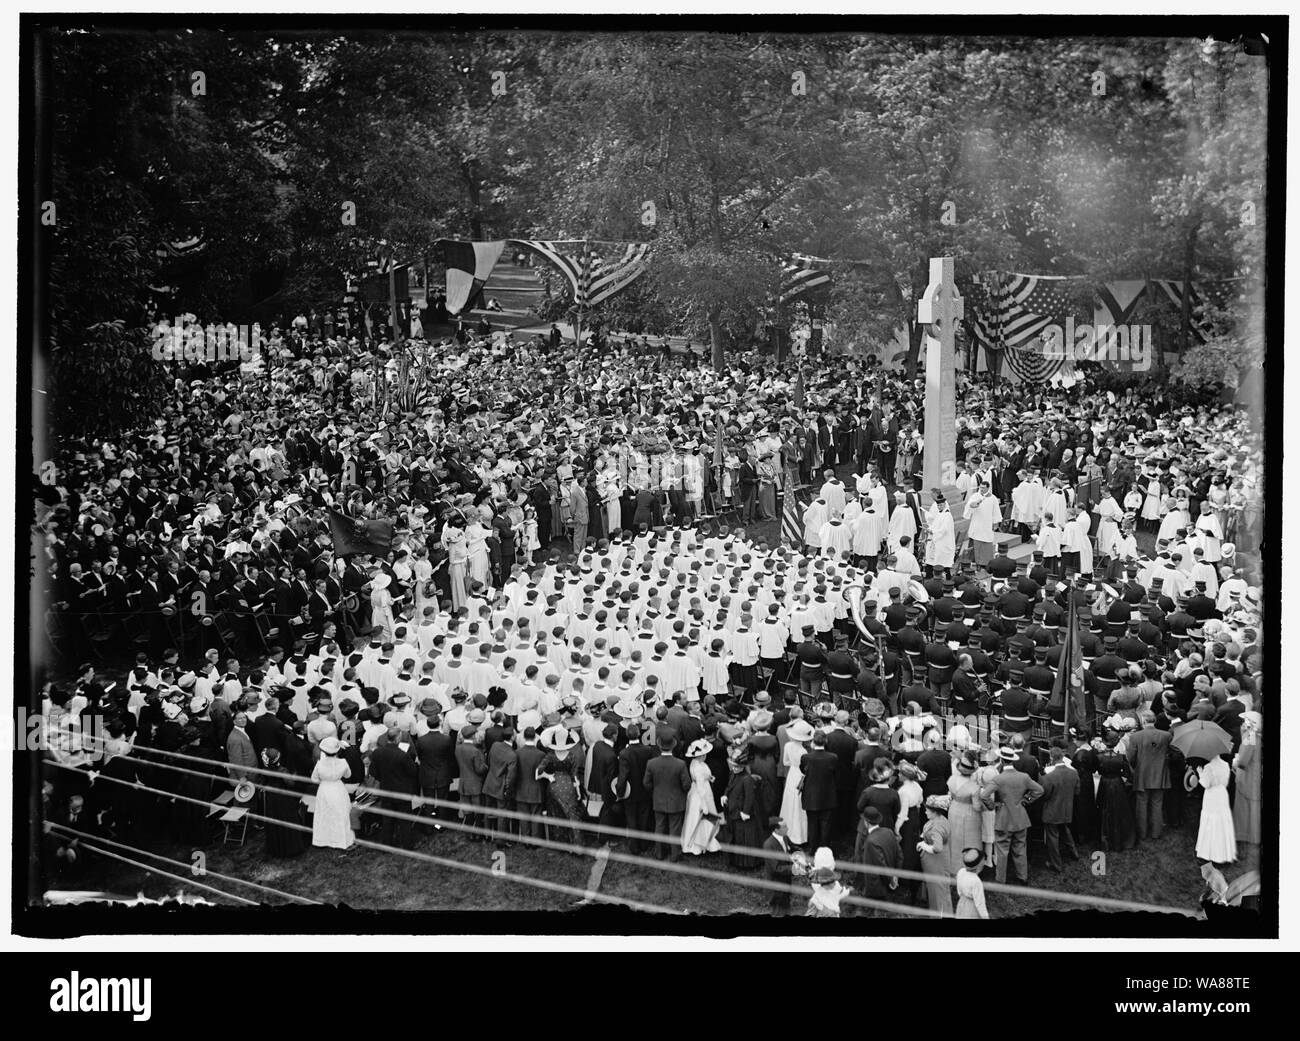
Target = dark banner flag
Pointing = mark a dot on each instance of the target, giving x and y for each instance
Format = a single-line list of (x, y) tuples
[(357, 535), (1067, 703)]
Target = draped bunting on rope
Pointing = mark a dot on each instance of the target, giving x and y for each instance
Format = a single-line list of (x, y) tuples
[(468, 266), (801, 274), (596, 270)]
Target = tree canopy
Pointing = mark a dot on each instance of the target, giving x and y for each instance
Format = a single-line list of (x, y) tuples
[(293, 155)]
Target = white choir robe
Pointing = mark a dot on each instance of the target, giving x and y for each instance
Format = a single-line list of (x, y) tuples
[(1056, 504), (901, 522), (1204, 572), (941, 546), (1049, 540), (852, 511), (813, 518), (1124, 547), (835, 537), (1027, 501), (1082, 542), (1209, 537), (1108, 527), (984, 515), (907, 563), (833, 492), (866, 535), (1173, 520)]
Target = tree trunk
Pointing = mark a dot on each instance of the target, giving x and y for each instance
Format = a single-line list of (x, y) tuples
[(1189, 261), (716, 340), (915, 334)]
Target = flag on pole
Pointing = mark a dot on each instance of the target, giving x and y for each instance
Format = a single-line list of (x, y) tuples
[(468, 266), (798, 391), (358, 535), (1066, 705), (792, 507)]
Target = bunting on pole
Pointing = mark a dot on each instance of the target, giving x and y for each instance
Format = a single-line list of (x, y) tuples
[(468, 266)]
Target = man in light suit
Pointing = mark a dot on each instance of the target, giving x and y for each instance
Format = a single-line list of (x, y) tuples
[(579, 512), (1008, 794), (240, 752), (1060, 785), (1148, 756)]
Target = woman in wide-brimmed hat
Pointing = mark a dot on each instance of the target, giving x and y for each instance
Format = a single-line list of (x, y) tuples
[(332, 818), (743, 807), (700, 828), (935, 856), (965, 811), (798, 734), (562, 767)]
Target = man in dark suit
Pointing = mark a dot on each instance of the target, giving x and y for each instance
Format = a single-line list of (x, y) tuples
[(1060, 785), (437, 754), (394, 769), (500, 757), (1008, 794), (844, 746), (667, 780), (1148, 756), (878, 848), (937, 766), (778, 865), (604, 775), (632, 763), (521, 781), (818, 788), (268, 731)]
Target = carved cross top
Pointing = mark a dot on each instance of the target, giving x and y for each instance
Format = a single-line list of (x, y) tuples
[(941, 307)]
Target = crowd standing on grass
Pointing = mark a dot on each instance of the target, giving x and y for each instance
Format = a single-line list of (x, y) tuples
[(570, 616)]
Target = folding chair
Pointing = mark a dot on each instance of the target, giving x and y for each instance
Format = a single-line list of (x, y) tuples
[(234, 821)]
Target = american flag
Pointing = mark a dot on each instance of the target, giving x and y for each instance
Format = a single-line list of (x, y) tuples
[(801, 274), (595, 270), (794, 502), (1009, 312)]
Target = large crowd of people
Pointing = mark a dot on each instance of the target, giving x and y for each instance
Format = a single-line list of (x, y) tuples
[(580, 618)]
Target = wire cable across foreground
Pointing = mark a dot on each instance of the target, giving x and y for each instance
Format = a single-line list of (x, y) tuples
[(101, 840), (495, 874), (1107, 903)]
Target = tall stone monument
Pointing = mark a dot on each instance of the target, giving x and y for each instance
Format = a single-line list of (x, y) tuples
[(939, 310)]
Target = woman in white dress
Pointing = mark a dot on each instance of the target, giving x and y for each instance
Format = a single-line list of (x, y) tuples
[(422, 573), (476, 548), (1216, 839), (611, 491), (331, 826), (381, 604), (799, 733), (699, 803), (453, 541)]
